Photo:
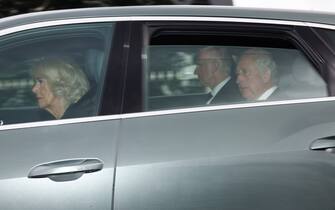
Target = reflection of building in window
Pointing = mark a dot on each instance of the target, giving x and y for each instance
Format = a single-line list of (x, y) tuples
[(16, 93), (171, 71), (174, 82), (16, 84)]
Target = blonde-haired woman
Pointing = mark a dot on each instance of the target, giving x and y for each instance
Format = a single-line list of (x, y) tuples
[(59, 87)]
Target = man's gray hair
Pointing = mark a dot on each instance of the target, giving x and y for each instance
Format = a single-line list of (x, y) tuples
[(65, 77), (222, 54), (264, 61)]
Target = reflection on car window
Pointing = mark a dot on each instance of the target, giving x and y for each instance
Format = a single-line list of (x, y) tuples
[(198, 75), (80, 47)]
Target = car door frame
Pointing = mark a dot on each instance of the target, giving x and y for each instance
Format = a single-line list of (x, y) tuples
[(111, 100), (113, 90), (143, 124)]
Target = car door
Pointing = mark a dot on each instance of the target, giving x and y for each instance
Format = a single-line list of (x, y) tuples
[(177, 152), (65, 163)]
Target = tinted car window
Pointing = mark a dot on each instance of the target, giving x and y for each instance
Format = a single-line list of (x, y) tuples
[(83, 47), (181, 75), (328, 35)]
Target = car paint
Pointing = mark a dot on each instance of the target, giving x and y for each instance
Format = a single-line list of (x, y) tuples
[(23, 148), (186, 158), (170, 11)]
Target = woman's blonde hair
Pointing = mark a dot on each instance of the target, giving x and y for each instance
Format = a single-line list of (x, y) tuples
[(66, 78)]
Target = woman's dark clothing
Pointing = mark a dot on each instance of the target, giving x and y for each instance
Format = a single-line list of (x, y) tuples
[(45, 115), (85, 107)]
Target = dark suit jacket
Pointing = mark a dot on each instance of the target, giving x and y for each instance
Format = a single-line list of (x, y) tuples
[(229, 93)]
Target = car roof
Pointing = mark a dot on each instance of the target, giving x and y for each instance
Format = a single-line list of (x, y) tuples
[(171, 10)]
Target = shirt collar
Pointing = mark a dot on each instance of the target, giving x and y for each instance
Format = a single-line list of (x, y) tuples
[(217, 88), (267, 93)]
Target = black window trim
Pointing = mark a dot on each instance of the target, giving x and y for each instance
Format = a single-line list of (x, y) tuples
[(319, 44), (114, 83)]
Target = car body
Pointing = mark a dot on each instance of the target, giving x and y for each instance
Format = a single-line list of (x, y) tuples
[(150, 144)]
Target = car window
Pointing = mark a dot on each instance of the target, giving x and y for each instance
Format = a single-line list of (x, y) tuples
[(328, 36), (197, 73), (44, 65)]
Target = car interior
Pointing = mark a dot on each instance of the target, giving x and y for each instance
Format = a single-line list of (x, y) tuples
[(172, 61), (18, 56)]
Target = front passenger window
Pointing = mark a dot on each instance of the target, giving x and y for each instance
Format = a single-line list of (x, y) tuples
[(42, 67)]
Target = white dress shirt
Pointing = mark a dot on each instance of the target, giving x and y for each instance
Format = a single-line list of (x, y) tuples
[(267, 93)]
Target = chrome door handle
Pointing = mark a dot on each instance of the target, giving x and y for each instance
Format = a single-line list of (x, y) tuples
[(327, 143), (66, 170)]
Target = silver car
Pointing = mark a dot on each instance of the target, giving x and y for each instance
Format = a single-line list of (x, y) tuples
[(153, 139)]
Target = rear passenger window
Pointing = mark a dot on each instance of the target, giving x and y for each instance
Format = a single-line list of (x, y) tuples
[(53, 72), (200, 70), (328, 35)]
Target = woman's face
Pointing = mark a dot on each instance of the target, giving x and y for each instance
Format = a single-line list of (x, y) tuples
[(45, 97)]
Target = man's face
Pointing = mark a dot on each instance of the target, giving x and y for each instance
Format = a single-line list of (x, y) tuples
[(251, 82), (206, 67)]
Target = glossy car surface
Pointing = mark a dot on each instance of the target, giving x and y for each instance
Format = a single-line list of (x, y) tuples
[(151, 141)]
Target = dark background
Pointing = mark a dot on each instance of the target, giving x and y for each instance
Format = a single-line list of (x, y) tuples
[(15, 7)]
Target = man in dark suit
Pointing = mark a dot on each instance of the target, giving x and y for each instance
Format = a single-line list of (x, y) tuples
[(257, 76), (213, 70)]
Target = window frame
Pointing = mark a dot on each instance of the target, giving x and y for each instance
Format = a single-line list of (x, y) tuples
[(115, 75), (326, 50), (110, 101)]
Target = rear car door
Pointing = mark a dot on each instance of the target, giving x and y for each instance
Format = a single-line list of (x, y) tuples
[(179, 152), (59, 164)]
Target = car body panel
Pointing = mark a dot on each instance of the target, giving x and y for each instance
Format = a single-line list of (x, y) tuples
[(22, 149), (242, 158), (170, 11)]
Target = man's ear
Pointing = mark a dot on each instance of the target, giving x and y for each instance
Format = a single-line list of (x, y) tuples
[(266, 76)]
